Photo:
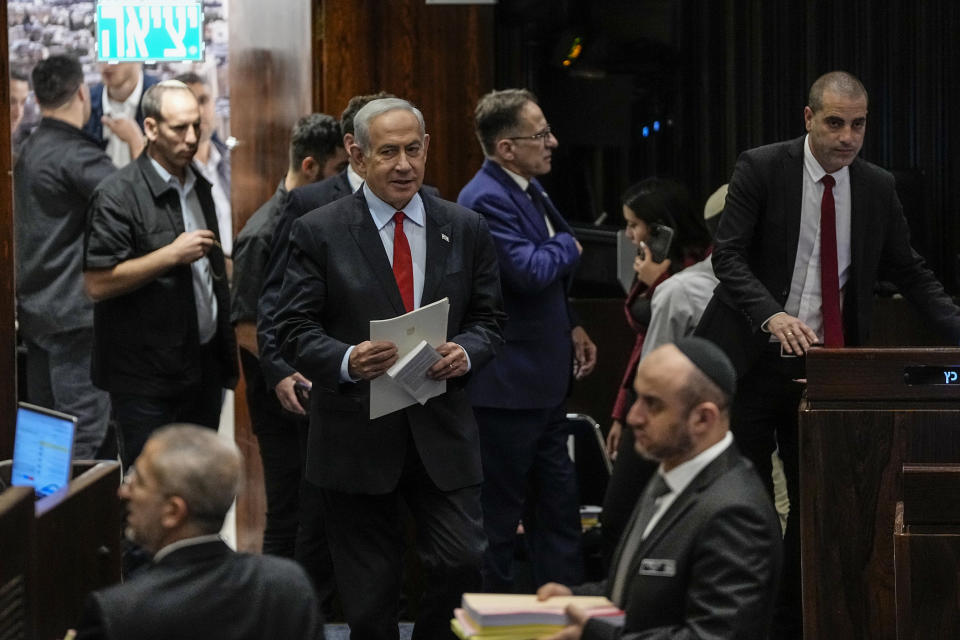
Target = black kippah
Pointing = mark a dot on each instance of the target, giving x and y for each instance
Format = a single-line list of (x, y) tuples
[(711, 360)]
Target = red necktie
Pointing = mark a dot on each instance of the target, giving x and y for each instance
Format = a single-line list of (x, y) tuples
[(403, 263), (829, 278)]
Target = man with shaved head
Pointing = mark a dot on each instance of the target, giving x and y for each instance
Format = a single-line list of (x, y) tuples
[(154, 266), (701, 555), (808, 228), (177, 495)]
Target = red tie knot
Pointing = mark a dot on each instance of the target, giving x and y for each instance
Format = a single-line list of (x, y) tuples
[(399, 215), (828, 181)]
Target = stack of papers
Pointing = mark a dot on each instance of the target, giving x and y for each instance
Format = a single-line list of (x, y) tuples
[(496, 616)]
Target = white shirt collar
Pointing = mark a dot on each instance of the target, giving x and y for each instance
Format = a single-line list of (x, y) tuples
[(186, 542), (683, 474), (812, 166), (522, 182), (383, 213), (354, 178)]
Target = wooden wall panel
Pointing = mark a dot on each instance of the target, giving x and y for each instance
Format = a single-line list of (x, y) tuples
[(8, 340), (271, 67), (438, 57)]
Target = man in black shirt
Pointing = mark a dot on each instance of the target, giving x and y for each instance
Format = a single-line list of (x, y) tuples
[(281, 429), (164, 348), (57, 170)]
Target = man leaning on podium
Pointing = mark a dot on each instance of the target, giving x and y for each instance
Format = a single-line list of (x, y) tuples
[(807, 231)]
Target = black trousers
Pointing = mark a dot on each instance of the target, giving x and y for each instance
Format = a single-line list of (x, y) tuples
[(294, 527), (765, 418), (529, 476), (138, 416), (366, 542)]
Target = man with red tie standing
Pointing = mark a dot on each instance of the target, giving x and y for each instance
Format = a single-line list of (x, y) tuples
[(388, 249), (807, 230)]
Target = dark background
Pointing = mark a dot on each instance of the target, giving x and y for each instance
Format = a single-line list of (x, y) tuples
[(724, 76)]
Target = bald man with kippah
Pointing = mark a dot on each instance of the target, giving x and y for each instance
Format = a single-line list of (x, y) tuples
[(701, 557)]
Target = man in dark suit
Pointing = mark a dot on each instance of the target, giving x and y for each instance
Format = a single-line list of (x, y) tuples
[(277, 372), (177, 495), (315, 153), (520, 399), (384, 251), (701, 557), (789, 279)]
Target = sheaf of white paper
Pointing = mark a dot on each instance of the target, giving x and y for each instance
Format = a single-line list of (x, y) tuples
[(426, 323), (411, 373)]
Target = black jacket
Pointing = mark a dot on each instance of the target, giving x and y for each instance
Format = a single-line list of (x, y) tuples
[(146, 341)]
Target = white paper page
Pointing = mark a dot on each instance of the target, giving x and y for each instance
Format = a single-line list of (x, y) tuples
[(410, 372), (426, 323)]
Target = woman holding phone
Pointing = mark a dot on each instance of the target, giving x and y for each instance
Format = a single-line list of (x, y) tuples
[(670, 235)]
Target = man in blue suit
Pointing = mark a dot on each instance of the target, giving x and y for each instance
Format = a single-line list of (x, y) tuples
[(519, 399)]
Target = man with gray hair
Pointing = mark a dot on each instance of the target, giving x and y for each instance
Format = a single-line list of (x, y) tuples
[(177, 494), (387, 250), (163, 344), (520, 400)]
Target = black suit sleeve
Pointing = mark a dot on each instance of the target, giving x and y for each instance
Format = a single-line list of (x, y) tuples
[(480, 331), (745, 204), (274, 367), (300, 330), (733, 564), (91, 620)]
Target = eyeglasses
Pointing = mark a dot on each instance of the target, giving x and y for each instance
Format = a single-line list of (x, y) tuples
[(540, 136)]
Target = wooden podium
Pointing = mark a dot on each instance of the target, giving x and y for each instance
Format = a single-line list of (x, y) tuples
[(867, 412)]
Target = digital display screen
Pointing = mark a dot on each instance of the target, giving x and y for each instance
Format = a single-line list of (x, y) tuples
[(928, 375), (42, 449)]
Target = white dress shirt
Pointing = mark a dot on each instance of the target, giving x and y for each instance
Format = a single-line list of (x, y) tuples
[(221, 199), (680, 477), (117, 149), (523, 183), (804, 301), (414, 227), (204, 298)]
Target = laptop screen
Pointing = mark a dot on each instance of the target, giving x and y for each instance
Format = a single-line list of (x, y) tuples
[(42, 449)]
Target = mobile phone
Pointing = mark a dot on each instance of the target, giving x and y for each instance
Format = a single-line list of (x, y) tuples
[(302, 391), (658, 241)]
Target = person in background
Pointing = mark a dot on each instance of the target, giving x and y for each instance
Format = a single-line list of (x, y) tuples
[(649, 207), (701, 556), (116, 116), (213, 156), (163, 344), (807, 230), (520, 399), (19, 92), (57, 171), (177, 495), (277, 372), (363, 258), (316, 153)]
